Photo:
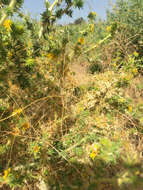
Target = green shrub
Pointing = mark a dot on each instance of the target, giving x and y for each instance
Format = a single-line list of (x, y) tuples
[(128, 16)]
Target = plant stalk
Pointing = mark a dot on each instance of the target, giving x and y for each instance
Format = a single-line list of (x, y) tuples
[(50, 9), (99, 43)]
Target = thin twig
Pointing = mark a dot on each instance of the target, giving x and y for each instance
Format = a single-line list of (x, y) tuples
[(34, 102)]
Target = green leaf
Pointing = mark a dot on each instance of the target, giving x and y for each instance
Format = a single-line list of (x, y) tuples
[(78, 3)]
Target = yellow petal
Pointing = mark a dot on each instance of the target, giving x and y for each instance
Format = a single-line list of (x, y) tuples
[(81, 41), (130, 108), (93, 155), (18, 111), (136, 54)]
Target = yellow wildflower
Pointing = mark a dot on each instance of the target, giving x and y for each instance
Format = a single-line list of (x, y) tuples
[(137, 172), (134, 70), (108, 29), (6, 173), (50, 55), (136, 54), (92, 155), (36, 149), (18, 111), (81, 41), (130, 108), (94, 152), (25, 126), (7, 24), (114, 64), (51, 38), (121, 100), (92, 28)]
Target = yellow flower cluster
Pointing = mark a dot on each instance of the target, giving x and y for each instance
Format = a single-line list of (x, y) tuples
[(17, 112), (51, 37), (36, 149), (81, 41), (121, 100), (7, 24), (6, 173), (136, 54), (108, 29), (94, 152), (114, 65), (135, 70), (50, 55)]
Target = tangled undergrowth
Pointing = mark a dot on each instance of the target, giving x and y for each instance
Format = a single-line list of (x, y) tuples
[(71, 109)]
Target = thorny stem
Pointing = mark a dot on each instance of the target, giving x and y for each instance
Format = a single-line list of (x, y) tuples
[(50, 9), (53, 5)]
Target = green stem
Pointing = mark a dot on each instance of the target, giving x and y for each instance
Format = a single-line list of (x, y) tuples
[(99, 43), (4, 16), (53, 5)]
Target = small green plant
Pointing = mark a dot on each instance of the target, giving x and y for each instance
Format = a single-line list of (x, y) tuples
[(95, 67)]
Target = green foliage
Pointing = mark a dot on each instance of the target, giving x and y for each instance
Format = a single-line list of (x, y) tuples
[(50, 16), (79, 21), (55, 132), (95, 67), (92, 15), (5, 3), (128, 16), (78, 3), (110, 150)]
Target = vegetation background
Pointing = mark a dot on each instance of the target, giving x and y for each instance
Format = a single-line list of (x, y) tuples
[(71, 98)]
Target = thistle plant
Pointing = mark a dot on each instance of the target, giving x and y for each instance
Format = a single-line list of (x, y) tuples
[(55, 11), (8, 8), (57, 133)]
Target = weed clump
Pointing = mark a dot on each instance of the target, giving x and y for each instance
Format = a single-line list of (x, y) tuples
[(57, 132)]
